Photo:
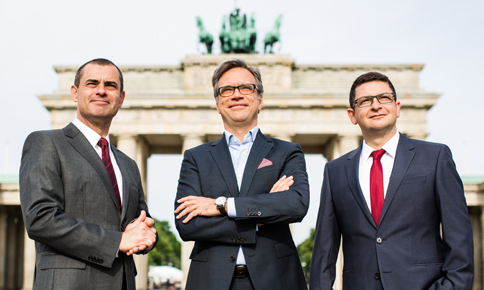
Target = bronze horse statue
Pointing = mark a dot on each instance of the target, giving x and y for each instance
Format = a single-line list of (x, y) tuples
[(204, 36), (273, 36)]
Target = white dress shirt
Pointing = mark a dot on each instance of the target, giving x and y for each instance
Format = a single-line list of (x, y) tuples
[(239, 152), (387, 160), (93, 138)]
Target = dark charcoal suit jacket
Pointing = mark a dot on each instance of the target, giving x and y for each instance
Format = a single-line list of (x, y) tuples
[(270, 253), (70, 210), (406, 250)]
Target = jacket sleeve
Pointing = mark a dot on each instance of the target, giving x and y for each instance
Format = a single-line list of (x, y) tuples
[(457, 236), (283, 207), (214, 229), (42, 201), (326, 241)]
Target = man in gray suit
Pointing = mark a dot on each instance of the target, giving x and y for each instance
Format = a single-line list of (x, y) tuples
[(397, 203), (230, 202), (82, 199)]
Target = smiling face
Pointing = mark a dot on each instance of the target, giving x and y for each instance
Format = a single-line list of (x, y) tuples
[(98, 96), (377, 120), (238, 111)]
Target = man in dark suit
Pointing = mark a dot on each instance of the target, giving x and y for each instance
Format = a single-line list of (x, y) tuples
[(401, 211), (237, 196), (82, 199)]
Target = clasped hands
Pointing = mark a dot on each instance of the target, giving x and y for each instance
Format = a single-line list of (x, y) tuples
[(139, 235), (192, 206)]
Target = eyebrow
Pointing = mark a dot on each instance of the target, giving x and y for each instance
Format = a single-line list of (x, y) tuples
[(96, 81)]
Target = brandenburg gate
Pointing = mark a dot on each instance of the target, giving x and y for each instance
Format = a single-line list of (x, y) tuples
[(169, 109)]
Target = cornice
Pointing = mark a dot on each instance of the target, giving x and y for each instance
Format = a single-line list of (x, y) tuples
[(363, 67), (125, 68)]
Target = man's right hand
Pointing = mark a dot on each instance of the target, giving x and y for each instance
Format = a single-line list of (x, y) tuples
[(138, 235)]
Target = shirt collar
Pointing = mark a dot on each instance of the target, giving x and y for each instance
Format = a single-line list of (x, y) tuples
[(250, 137), (390, 147), (89, 133)]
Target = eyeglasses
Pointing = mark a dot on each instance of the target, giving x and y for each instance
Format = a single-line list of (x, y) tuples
[(385, 98), (245, 89)]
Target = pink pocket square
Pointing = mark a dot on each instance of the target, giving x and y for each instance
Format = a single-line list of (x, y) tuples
[(264, 163)]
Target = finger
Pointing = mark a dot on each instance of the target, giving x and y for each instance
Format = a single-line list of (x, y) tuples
[(187, 198), (141, 217), (189, 217), (149, 222)]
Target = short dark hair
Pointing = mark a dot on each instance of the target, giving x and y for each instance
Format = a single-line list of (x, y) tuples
[(369, 77), (234, 63), (102, 62)]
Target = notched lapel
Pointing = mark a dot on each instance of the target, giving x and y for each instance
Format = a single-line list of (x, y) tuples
[(403, 158), (261, 147), (80, 143), (221, 155), (352, 174)]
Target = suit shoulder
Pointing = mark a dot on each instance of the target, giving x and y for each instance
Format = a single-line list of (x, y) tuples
[(38, 136), (203, 147), (428, 146), (344, 158)]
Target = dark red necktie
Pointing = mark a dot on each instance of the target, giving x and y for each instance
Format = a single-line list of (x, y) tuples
[(376, 185), (103, 143)]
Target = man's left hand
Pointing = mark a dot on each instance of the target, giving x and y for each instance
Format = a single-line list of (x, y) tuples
[(192, 206)]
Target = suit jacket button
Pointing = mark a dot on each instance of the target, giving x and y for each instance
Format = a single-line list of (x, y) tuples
[(379, 240), (232, 259), (248, 214), (259, 213), (377, 276)]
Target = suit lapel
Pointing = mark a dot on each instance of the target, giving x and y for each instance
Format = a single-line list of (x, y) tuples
[(262, 145), (221, 154), (80, 143), (122, 167), (352, 174), (403, 158)]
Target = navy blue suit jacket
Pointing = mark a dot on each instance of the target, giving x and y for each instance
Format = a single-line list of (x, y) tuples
[(406, 250), (270, 253)]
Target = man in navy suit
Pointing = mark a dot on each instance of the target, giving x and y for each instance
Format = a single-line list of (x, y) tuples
[(237, 196), (400, 211)]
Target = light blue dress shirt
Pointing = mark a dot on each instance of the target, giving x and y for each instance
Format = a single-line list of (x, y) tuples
[(239, 152)]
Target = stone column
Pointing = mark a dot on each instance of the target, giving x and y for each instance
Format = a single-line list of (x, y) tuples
[(29, 262), (189, 141), (129, 145), (475, 213), (337, 147), (3, 246)]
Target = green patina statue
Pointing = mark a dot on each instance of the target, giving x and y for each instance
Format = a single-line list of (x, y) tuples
[(273, 36), (204, 36), (240, 37)]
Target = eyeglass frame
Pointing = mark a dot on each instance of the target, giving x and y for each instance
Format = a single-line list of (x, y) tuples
[(237, 87), (355, 102)]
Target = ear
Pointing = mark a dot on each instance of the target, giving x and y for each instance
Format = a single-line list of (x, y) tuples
[(261, 101), (216, 105), (398, 109), (351, 115), (121, 99), (74, 93)]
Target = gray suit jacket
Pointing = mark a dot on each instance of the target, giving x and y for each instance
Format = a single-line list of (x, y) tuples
[(270, 253), (70, 210), (406, 251)]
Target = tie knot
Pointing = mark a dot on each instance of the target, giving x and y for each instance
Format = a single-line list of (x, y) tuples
[(377, 154), (102, 143)]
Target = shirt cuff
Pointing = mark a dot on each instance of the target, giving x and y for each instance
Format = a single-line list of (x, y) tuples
[(231, 211)]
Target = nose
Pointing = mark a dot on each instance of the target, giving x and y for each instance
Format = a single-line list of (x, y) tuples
[(237, 94), (376, 104), (101, 90)]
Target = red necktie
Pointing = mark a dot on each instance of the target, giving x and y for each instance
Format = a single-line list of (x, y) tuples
[(103, 143), (376, 185)]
